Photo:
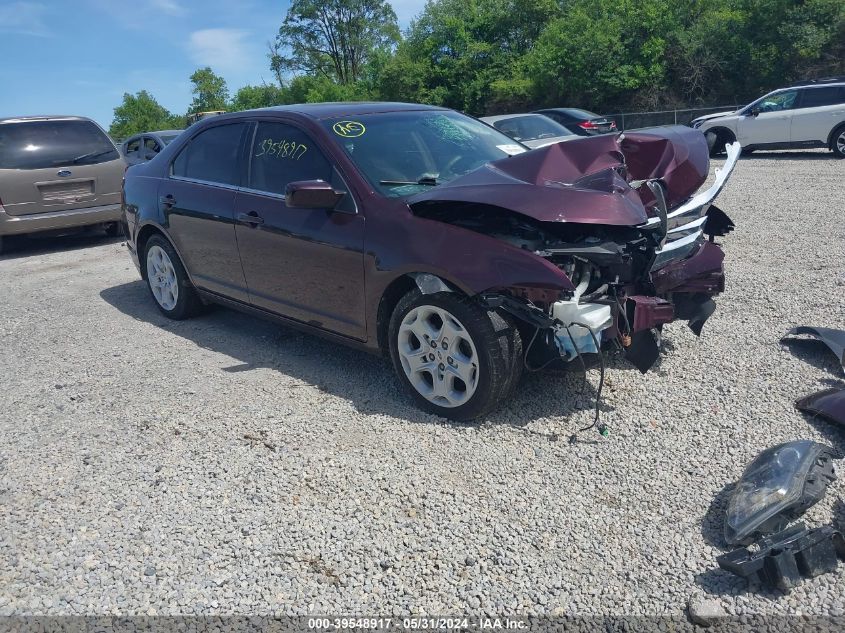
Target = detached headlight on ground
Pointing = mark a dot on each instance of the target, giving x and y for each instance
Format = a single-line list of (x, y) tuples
[(780, 484)]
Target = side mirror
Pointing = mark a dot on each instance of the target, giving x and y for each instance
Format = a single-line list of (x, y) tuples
[(312, 194), (755, 111)]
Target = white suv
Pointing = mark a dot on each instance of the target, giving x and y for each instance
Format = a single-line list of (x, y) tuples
[(808, 114)]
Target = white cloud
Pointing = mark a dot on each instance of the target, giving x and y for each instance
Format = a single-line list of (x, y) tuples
[(25, 18), (170, 7), (222, 49)]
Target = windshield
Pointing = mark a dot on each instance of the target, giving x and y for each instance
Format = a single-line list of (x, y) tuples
[(403, 153), (531, 127), (773, 102), (42, 144)]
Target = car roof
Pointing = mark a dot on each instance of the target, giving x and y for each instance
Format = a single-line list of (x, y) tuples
[(345, 108), (43, 117), (576, 112), (157, 133)]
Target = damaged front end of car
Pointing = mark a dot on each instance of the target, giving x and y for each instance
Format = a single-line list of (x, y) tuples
[(620, 217)]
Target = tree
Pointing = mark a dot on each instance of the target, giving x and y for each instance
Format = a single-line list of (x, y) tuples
[(467, 54), (264, 96), (141, 113), (335, 39), (210, 91)]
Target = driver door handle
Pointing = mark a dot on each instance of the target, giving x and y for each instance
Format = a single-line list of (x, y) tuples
[(251, 218)]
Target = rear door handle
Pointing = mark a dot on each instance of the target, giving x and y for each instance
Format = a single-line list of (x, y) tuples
[(250, 218), (167, 201)]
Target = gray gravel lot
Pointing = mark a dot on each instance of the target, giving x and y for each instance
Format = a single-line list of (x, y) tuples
[(229, 465)]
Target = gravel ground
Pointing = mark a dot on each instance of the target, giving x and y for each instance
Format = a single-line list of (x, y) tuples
[(228, 465)]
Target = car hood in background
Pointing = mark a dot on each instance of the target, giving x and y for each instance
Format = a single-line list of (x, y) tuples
[(716, 115), (581, 180)]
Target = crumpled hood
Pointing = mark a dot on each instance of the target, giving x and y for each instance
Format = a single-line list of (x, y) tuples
[(581, 180)]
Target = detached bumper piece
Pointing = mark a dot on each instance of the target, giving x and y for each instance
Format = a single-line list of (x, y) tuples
[(828, 404), (834, 339), (781, 560)]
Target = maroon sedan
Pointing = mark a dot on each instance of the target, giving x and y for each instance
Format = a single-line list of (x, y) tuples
[(431, 237)]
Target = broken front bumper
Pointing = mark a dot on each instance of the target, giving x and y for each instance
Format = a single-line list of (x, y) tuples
[(686, 225)]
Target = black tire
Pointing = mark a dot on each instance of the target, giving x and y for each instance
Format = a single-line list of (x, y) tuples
[(187, 303), (835, 145), (113, 229), (497, 343), (717, 138), (1, 244)]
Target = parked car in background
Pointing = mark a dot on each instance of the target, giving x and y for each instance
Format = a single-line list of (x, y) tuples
[(57, 173), (580, 122), (806, 115), (143, 147), (533, 130), (435, 239)]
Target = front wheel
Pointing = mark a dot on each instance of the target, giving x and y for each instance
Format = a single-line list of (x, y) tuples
[(456, 358), (168, 282), (838, 145)]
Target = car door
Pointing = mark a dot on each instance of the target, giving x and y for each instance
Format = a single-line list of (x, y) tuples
[(198, 204), (305, 264), (771, 125), (820, 109)]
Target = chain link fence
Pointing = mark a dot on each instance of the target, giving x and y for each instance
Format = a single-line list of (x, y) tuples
[(634, 120)]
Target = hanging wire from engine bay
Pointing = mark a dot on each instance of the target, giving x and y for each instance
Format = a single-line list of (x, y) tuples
[(602, 428)]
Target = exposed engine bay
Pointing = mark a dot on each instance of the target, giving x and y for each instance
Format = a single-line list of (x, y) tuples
[(637, 255)]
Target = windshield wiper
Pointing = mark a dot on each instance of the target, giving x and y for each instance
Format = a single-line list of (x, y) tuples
[(90, 155), (429, 181)]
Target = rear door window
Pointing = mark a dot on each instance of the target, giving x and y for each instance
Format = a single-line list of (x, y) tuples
[(212, 156), (818, 97), (57, 143), (133, 147), (151, 145), (282, 153)]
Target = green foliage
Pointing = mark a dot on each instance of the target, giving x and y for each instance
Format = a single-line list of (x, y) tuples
[(141, 113), (495, 56), (335, 39), (264, 96), (210, 91)]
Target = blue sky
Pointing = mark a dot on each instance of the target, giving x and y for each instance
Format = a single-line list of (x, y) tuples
[(80, 56)]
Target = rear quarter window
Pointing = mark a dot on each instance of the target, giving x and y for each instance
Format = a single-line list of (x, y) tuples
[(818, 97), (44, 144)]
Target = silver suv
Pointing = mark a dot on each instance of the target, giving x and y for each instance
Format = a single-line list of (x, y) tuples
[(56, 174), (805, 115)]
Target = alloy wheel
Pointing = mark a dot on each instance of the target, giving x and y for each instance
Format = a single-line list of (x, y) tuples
[(438, 356), (162, 278)]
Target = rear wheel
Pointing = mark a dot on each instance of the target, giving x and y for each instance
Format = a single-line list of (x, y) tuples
[(456, 358), (838, 144), (168, 282)]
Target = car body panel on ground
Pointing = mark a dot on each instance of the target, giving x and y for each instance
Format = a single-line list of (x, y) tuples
[(57, 172)]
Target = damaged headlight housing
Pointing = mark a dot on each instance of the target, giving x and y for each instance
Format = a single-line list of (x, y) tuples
[(781, 483)]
